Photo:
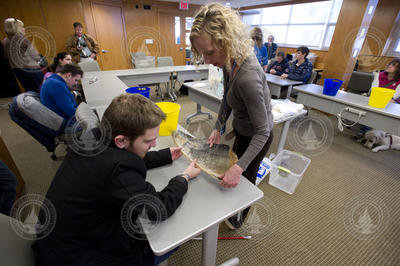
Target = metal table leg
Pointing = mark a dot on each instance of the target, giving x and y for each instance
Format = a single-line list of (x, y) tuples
[(210, 238), (289, 91), (284, 132), (198, 112), (171, 87)]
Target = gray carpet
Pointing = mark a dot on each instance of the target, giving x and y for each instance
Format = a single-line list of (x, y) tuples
[(312, 226)]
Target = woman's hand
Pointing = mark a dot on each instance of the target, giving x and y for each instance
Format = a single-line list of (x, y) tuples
[(176, 152), (284, 76), (231, 177), (214, 138)]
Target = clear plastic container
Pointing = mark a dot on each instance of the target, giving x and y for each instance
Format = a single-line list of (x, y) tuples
[(287, 170)]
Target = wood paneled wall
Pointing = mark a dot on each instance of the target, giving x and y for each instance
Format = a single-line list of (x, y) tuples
[(57, 17), (54, 16)]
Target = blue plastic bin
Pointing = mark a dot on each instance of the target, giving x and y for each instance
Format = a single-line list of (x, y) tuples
[(332, 86), (145, 91)]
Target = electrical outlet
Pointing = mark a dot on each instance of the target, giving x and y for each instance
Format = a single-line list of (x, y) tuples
[(355, 111)]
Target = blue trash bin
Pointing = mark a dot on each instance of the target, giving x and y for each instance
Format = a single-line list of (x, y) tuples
[(145, 91), (332, 86)]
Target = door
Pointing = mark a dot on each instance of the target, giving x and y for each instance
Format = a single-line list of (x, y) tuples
[(174, 31), (110, 32)]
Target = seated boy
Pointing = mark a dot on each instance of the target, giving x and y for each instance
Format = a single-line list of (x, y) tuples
[(280, 66), (300, 69), (89, 193)]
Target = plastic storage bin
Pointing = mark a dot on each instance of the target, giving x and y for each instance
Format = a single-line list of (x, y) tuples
[(145, 91), (332, 86), (287, 170), (171, 122), (380, 97)]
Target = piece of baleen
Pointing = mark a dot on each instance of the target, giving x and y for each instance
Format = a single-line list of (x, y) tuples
[(215, 160)]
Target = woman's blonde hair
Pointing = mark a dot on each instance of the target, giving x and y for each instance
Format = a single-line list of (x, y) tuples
[(257, 36), (12, 26), (225, 28)]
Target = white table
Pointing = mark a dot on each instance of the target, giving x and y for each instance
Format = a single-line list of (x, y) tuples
[(110, 84), (204, 206), (204, 96), (386, 119), (14, 250), (276, 83)]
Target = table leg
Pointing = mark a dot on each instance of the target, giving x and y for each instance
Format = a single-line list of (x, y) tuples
[(198, 112), (289, 91), (210, 238), (172, 91), (282, 139)]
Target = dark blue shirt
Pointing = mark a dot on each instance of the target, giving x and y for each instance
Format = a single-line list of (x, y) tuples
[(302, 72), (56, 96), (280, 68)]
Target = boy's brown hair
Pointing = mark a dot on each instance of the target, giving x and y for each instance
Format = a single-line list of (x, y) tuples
[(131, 115)]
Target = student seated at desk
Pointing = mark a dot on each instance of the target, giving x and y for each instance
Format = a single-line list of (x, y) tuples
[(280, 66), (300, 69), (55, 92), (89, 192)]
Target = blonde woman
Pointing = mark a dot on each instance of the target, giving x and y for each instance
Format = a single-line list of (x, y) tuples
[(259, 49), (22, 56), (220, 38)]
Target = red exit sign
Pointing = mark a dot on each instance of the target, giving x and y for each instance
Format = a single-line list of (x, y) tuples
[(183, 5)]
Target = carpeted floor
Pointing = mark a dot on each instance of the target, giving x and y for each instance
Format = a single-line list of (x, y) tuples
[(344, 211)]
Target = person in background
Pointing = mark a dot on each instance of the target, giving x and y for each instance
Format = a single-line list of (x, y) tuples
[(91, 194), (81, 46), (301, 68), (55, 93), (280, 66), (60, 60), (259, 48), (219, 36), (22, 55), (390, 78), (8, 186), (271, 47)]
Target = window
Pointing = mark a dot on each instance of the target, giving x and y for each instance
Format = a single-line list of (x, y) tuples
[(310, 24), (177, 30)]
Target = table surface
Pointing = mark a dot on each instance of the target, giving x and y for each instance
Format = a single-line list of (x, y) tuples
[(392, 109), (206, 91), (274, 79), (205, 204), (109, 85)]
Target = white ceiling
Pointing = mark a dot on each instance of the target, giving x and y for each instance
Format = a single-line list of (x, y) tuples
[(234, 3)]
